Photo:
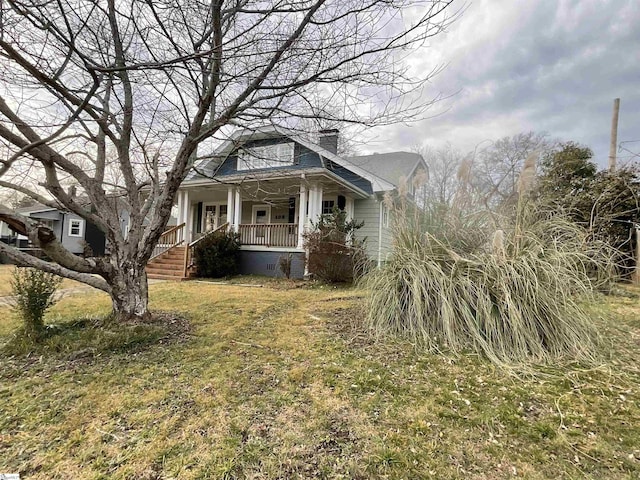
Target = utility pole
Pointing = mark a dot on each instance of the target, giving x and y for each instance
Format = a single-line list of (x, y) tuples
[(636, 272), (614, 135)]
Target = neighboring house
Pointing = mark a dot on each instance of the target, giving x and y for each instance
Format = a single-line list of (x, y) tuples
[(7, 235), (270, 185), (74, 232)]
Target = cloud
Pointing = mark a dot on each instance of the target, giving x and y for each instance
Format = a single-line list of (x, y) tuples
[(522, 65)]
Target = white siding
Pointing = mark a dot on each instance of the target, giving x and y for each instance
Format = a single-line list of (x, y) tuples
[(368, 211)]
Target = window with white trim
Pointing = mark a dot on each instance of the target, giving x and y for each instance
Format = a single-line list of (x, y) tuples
[(385, 216), (75, 228), (327, 207), (266, 156)]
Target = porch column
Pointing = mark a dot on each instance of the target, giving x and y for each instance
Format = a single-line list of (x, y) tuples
[(315, 202), (186, 217), (349, 208), (230, 207), (237, 210), (179, 219), (302, 214)]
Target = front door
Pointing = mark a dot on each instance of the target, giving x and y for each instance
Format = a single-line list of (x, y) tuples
[(213, 216), (261, 217)]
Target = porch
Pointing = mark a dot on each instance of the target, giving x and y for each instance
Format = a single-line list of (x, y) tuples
[(271, 217), (265, 214)]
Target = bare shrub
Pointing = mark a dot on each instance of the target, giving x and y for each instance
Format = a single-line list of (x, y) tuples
[(335, 255), (508, 288)]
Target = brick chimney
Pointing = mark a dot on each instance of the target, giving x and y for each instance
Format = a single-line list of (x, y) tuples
[(328, 139)]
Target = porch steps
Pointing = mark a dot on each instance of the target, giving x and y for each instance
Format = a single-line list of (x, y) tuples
[(168, 266)]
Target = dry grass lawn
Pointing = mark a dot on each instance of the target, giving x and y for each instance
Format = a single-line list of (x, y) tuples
[(278, 382), (6, 272)]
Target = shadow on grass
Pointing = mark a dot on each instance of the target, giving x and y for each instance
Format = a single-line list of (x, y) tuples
[(88, 339)]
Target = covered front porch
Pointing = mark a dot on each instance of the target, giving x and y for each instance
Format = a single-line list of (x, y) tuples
[(267, 213)]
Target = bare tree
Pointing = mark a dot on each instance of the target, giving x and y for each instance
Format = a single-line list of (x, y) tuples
[(442, 182), (497, 167), (138, 88)]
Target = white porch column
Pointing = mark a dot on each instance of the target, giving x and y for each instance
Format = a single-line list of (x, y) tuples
[(179, 219), (237, 210), (319, 202), (310, 196), (186, 217), (315, 202), (302, 214), (349, 208), (230, 207)]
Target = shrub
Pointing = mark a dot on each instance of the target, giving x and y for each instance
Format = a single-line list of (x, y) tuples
[(34, 293), (335, 255), (218, 255), (285, 262), (513, 297)]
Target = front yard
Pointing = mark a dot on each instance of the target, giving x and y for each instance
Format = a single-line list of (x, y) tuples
[(278, 382)]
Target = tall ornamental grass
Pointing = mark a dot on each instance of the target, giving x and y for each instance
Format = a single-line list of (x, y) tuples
[(511, 293)]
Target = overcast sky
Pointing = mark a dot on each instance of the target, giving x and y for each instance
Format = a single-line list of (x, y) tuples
[(521, 65)]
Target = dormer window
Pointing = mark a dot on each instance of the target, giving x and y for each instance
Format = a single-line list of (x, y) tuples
[(266, 156)]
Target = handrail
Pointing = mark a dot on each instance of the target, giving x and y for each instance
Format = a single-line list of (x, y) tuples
[(188, 252), (172, 229), (169, 239)]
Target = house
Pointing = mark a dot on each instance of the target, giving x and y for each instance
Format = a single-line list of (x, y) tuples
[(7, 235), (76, 234), (270, 185)]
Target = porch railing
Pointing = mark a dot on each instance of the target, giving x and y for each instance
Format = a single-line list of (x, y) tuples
[(188, 252), (270, 234), (169, 239)]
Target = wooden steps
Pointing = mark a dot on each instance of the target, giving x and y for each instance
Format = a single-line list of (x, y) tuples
[(168, 266)]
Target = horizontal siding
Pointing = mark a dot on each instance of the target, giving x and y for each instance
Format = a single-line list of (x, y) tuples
[(367, 211)]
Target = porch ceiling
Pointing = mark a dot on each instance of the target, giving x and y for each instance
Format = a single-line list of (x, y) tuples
[(270, 189)]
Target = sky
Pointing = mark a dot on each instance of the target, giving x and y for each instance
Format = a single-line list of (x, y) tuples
[(520, 65)]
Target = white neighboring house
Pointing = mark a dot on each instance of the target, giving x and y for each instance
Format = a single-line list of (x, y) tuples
[(270, 184)]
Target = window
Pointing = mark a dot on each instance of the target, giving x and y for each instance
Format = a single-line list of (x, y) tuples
[(385, 216), (47, 223), (327, 206), (75, 228), (267, 156)]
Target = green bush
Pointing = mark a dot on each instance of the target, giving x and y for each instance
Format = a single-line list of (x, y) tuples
[(34, 293), (218, 255)]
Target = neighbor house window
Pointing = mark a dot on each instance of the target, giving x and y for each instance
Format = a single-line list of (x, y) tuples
[(327, 206), (266, 156), (75, 228)]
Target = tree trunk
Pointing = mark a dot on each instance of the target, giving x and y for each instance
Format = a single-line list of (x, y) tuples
[(130, 295)]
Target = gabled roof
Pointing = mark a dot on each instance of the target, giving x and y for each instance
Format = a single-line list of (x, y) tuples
[(378, 184), (392, 167), (36, 207)]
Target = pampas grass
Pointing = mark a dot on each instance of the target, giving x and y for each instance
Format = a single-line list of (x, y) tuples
[(509, 290)]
